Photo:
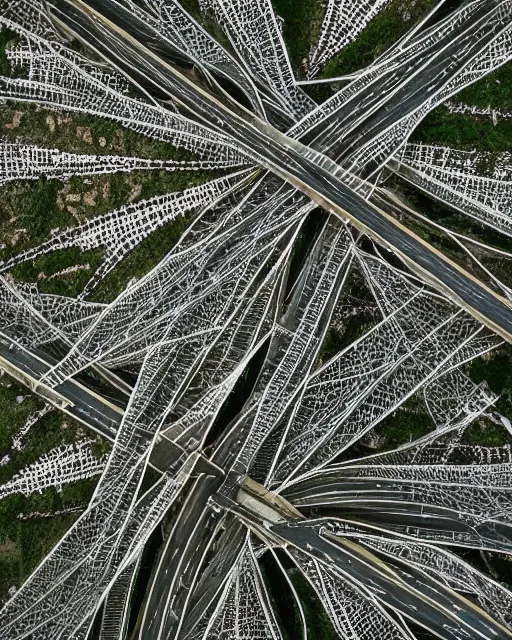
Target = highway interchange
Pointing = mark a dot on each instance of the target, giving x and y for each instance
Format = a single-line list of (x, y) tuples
[(146, 61)]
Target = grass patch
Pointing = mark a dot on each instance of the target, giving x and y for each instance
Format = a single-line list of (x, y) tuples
[(29, 211), (485, 433), (52, 430), (463, 132), (302, 21), (24, 543), (318, 623), (7, 39), (495, 370), (141, 260), (13, 414), (386, 28), (495, 90)]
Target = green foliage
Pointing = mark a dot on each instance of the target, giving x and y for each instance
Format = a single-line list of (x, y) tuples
[(407, 423), (380, 34), (141, 260), (29, 211), (302, 21), (463, 132), (23, 543), (317, 621), (386, 28), (12, 414), (7, 39), (494, 90), (37, 209), (336, 340), (496, 371), (284, 603), (52, 430), (81, 133), (52, 264), (485, 433)]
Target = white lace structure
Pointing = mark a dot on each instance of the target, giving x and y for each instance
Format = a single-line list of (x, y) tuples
[(253, 31), (33, 418), (27, 162), (455, 177), (120, 231), (343, 21), (466, 109), (59, 466)]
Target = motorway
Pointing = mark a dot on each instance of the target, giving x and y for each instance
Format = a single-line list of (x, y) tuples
[(132, 51), (317, 177), (90, 408), (408, 591), (399, 89), (404, 590), (81, 403)]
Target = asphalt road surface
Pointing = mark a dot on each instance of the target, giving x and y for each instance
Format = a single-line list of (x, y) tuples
[(132, 50)]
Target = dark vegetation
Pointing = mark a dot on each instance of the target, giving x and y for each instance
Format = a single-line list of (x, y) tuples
[(23, 542), (302, 21), (30, 211), (465, 132), (386, 28)]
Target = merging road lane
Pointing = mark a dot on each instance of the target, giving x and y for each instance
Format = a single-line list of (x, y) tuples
[(87, 406)]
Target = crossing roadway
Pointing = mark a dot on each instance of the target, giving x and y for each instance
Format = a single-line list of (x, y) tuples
[(131, 48)]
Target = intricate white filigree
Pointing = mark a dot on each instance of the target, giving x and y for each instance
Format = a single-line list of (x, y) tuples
[(232, 400)]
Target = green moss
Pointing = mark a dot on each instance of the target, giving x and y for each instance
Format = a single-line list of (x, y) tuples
[(383, 31), (24, 531), (317, 621), (39, 206), (12, 414), (462, 132), (141, 260), (380, 34), (495, 90), (7, 39), (100, 448), (69, 131), (24, 543), (496, 371), (52, 430), (336, 340), (485, 433), (302, 21), (37, 209), (406, 424)]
